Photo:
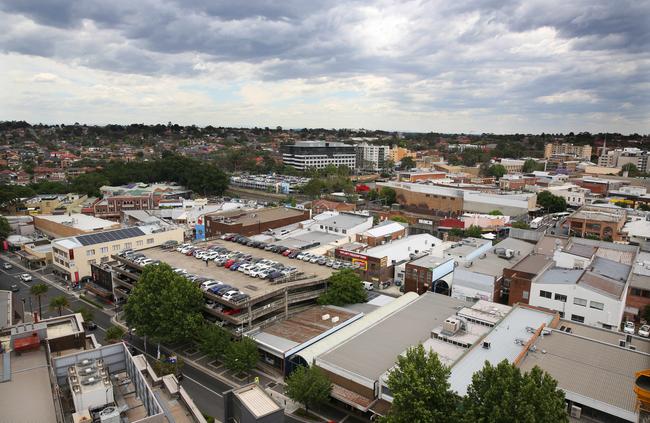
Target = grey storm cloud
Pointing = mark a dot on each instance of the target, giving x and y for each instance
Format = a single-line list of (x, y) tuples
[(473, 65)]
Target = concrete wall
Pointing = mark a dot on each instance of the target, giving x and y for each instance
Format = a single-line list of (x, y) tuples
[(610, 315), (79, 266)]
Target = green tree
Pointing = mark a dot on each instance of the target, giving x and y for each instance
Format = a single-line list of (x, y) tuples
[(114, 334), (309, 386), (551, 203), (5, 229), (241, 356), (631, 169), (388, 195), (164, 367), (420, 388), (495, 213), (59, 303), (621, 204), (497, 171), (344, 287), (407, 163), (474, 231), (86, 313), (456, 232), (520, 225), (213, 341), (399, 219), (502, 393), (530, 165), (164, 306), (313, 188), (645, 313), (38, 291)]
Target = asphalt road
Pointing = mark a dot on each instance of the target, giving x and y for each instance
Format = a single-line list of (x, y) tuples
[(205, 390)]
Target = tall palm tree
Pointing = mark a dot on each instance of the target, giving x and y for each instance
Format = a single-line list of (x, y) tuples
[(38, 291), (58, 303)]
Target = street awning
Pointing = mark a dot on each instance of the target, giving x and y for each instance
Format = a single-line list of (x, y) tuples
[(351, 398)]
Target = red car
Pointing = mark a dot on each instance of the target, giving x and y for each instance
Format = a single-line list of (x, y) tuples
[(229, 263), (231, 311), (287, 252)]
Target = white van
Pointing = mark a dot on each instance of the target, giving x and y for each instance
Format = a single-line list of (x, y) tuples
[(369, 286)]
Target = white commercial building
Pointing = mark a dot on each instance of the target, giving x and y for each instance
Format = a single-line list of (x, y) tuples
[(594, 296), (73, 255), (372, 157), (319, 154)]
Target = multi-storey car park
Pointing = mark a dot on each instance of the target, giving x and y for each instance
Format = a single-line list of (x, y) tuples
[(267, 301)]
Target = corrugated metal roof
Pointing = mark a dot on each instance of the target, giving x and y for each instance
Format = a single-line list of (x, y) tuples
[(256, 400), (592, 369), (310, 353)]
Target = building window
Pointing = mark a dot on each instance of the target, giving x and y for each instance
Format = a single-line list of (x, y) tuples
[(524, 295), (597, 305), (104, 250), (92, 261), (545, 294), (561, 313), (560, 297), (116, 247), (127, 245), (580, 301), (608, 327), (139, 243), (90, 252), (149, 241), (576, 318), (344, 231)]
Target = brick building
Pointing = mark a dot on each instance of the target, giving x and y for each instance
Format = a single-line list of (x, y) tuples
[(320, 206), (252, 222), (386, 232), (111, 207), (603, 222)]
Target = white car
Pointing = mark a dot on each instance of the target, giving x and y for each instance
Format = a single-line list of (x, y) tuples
[(182, 247), (180, 271), (261, 270), (644, 331), (629, 328), (26, 277), (228, 295), (209, 284)]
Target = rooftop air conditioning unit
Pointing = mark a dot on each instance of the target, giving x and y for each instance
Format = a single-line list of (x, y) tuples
[(576, 411), (335, 319), (487, 345), (325, 317)]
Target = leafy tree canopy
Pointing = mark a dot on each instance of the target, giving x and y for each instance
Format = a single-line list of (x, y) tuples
[(213, 341), (308, 386), (114, 334), (474, 231), (344, 287), (241, 356), (164, 305), (496, 170), (496, 213), (552, 203), (530, 165), (5, 229), (407, 163), (502, 393), (420, 388), (388, 194)]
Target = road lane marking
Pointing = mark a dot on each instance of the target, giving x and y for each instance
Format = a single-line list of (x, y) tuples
[(202, 385)]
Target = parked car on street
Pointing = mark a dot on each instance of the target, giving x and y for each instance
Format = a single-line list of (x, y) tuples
[(644, 331), (629, 327), (7, 266), (26, 277)]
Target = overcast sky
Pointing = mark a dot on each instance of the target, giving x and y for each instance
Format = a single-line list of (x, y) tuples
[(454, 66)]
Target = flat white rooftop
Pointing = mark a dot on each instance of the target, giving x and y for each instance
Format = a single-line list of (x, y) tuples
[(80, 221), (505, 343)]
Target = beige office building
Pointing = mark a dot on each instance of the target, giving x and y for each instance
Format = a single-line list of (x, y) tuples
[(73, 255)]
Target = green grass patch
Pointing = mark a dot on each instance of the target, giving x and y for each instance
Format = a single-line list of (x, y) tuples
[(91, 302)]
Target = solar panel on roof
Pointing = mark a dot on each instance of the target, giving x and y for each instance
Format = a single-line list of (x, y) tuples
[(109, 236)]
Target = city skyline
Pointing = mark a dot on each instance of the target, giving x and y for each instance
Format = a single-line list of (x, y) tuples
[(470, 67)]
